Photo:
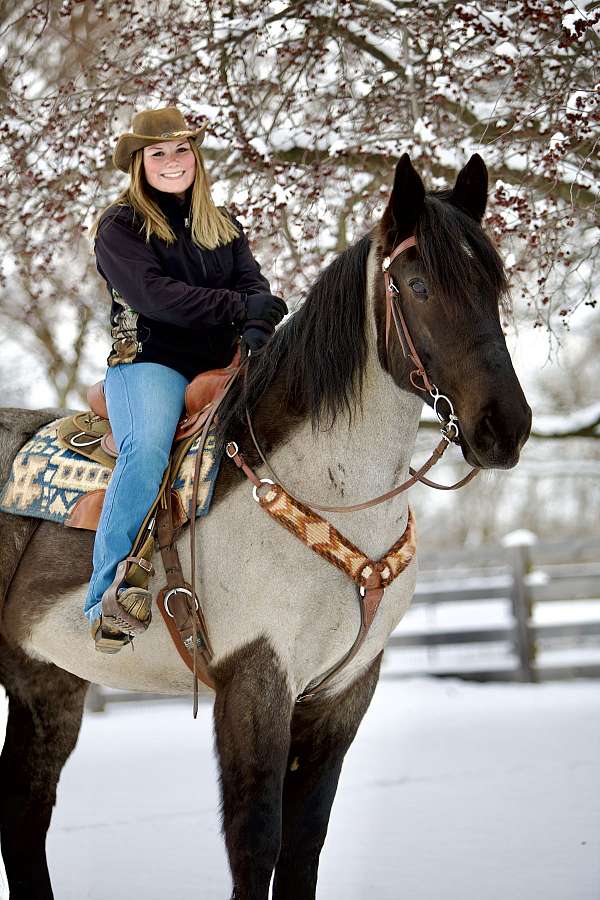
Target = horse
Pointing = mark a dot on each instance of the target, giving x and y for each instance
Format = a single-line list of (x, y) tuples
[(336, 405)]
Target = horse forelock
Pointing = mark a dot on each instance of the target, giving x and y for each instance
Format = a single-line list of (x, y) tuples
[(457, 254)]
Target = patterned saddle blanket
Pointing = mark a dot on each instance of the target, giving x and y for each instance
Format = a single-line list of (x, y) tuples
[(49, 480)]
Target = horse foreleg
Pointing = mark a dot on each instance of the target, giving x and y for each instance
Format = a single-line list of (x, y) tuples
[(321, 734), (45, 706), (253, 709)]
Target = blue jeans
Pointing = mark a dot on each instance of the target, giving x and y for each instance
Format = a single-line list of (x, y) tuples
[(145, 401)]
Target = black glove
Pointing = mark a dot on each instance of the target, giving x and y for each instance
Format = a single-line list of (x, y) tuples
[(265, 308), (256, 338)]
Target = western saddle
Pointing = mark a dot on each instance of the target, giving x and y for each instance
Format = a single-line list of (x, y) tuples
[(177, 600), (200, 396)]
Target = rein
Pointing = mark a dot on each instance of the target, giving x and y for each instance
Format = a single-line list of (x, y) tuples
[(187, 624), (449, 424)]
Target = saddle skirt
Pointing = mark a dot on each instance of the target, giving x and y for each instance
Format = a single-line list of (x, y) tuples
[(62, 472), (49, 480)]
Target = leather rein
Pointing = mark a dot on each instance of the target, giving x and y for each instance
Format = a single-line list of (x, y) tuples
[(448, 422), (178, 600)]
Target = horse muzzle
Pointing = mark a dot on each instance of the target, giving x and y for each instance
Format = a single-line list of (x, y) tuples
[(496, 437)]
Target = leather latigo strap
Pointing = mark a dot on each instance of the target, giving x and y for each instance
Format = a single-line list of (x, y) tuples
[(207, 654), (182, 615), (370, 576), (178, 600)]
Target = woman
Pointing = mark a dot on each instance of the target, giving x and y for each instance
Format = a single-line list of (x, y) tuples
[(184, 285)]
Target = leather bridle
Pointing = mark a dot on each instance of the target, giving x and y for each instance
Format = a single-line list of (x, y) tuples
[(448, 423), (393, 312), (300, 516)]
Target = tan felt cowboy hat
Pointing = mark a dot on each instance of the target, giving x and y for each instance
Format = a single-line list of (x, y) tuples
[(150, 127)]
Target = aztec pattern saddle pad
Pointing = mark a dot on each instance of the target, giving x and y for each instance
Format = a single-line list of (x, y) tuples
[(47, 480)]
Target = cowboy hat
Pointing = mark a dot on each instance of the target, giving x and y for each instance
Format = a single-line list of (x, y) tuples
[(151, 126)]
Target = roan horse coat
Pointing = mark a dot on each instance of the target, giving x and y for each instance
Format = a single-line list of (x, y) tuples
[(338, 416)]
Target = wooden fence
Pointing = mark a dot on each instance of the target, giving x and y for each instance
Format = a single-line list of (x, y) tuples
[(522, 576)]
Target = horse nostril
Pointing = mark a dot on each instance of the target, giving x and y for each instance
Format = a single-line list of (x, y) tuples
[(486, 433), (498, 434), (526, 431)]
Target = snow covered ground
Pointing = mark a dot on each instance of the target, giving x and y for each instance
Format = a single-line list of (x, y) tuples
[(451, 790)]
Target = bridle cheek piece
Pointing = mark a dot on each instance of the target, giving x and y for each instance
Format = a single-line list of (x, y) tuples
[(393, 313)]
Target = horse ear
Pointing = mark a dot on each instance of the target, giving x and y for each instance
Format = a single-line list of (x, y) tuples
[(406, 200), (470, 191)]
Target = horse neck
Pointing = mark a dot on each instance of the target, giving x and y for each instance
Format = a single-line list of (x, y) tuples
[(359, 457)]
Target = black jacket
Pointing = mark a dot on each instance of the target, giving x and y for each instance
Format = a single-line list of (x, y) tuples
[(178, 305)]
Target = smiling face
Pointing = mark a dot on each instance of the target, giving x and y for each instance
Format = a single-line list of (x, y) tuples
[(170, 166)]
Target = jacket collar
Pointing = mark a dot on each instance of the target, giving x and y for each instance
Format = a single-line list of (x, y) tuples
[(175, 209)]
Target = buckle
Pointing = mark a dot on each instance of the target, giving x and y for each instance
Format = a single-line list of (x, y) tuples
[(74, 442), (177, 590), (256, 487)]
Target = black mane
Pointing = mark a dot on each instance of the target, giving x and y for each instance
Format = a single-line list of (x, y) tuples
[(323, 345)]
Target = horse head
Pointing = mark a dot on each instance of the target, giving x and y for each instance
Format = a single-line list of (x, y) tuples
[(447, 285)]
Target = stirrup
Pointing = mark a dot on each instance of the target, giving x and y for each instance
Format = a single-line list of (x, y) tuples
[(130, 610), (108, 638), (132, 615)]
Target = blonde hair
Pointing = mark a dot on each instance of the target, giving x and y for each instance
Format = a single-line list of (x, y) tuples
[(210, 226)]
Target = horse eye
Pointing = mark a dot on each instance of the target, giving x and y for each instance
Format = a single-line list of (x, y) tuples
[(419, 288)]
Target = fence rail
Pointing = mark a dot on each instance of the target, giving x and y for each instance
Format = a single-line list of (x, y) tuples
[(522, 576)]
